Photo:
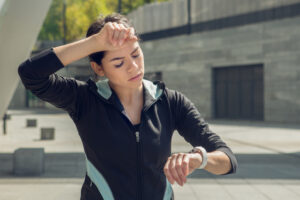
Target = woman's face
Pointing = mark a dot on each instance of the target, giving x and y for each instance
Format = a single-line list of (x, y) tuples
[(124, 67)]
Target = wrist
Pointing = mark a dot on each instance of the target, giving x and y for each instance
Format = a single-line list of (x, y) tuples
[(95, 43), (200, 150)]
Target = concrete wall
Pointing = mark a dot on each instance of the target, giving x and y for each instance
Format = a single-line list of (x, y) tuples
[(205, 10), (158, 16), (164, 15), (18, 101), (187, 62)]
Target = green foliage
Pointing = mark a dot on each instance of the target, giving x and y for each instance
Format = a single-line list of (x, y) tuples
[(79, 15), (51, 29), (130, 5)]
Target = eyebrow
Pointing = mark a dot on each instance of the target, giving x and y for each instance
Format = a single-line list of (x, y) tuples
[(119, 58)]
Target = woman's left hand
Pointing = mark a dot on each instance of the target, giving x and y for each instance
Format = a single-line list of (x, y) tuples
[(178, 166)]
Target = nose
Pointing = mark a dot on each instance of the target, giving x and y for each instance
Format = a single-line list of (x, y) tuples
[(132, 66)]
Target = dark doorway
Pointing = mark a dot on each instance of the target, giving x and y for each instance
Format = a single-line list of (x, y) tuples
[(239, 92)]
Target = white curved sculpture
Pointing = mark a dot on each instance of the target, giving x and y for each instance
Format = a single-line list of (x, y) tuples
[(20, 23)]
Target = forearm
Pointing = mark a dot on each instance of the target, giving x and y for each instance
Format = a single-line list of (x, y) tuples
[(218, 163), (76, 50)]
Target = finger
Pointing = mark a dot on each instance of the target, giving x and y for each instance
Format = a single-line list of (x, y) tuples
[(110, 30), (179, 168), (167, 171), (173, 169), (185, 165), (126, 34), (122, 34), (116, 33), (132, 34)]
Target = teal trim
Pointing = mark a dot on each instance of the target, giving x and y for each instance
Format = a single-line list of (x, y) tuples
[(99, 181), (105, 91), (104, 88), (168, 191), (154, 91)]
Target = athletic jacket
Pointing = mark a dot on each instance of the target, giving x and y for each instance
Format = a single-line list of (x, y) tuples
[(122, 163)]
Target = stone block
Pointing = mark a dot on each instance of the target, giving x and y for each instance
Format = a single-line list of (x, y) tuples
[(31, 123), (28, 161), (47, 133)]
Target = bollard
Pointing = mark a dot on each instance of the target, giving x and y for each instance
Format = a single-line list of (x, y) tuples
[(5, 117), (47, 133), (31, 122), (29, 162)]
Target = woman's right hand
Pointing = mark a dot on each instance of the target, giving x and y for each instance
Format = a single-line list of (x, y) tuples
[(113, 36)]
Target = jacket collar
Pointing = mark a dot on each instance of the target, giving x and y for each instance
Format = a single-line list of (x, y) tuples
[(151, 91)]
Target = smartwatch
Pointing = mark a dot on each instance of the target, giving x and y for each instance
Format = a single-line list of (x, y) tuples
[(203, 153)]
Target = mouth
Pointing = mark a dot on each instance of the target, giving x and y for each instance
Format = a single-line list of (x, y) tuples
[(135, 77)]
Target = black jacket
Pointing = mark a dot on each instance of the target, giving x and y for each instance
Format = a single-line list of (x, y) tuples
[(122, 163)]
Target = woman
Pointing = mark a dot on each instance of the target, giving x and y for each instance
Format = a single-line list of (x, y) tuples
[(125, 122)]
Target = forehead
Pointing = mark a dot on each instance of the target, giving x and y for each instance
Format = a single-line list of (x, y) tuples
[(125, 50)]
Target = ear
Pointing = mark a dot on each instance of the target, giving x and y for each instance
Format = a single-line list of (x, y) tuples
[(98, 69)]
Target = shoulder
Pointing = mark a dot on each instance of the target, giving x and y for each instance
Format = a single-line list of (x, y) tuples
[(175, 96)]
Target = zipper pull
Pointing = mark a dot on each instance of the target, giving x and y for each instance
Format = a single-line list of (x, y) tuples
[(137, 135)]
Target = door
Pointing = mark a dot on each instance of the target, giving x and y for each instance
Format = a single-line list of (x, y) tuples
[(238, 92)]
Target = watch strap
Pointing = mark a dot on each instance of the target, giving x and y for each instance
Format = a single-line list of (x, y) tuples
[(203, 153)]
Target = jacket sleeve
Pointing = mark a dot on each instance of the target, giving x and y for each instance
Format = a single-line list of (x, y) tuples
[(194, 129), (38, 75)]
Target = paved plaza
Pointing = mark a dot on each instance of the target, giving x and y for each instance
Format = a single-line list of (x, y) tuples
[(268, 155)]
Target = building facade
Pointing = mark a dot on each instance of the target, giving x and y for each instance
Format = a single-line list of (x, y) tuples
[(233, 59)]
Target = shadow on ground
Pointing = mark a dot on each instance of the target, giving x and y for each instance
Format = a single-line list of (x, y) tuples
[(253, 123), (261, 166), (251, 166)]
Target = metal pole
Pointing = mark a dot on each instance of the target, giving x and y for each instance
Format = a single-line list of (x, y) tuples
[(4, 124), (64, 22), (189, 16), (120, 6)]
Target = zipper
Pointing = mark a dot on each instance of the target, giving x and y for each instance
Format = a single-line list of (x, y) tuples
[(137, 135), (139, 173), (138, 156)]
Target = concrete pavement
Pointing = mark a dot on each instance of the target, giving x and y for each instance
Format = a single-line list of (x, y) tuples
[(268, 156)]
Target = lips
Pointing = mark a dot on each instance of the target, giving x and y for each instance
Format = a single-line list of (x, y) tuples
[(135, 77)]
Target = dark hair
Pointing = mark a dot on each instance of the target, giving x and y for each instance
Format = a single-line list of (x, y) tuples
[(96, 26)]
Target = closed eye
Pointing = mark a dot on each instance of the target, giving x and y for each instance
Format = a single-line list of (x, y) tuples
[(120, 65)]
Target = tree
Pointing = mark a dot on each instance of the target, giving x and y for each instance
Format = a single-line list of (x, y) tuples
[(79, 14), (51, 29)]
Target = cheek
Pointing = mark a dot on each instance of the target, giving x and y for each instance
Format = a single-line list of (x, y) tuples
[(141, 61)]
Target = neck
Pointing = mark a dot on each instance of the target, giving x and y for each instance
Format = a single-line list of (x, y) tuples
[(128, 95)]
